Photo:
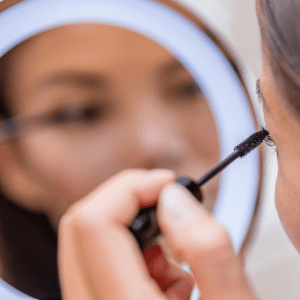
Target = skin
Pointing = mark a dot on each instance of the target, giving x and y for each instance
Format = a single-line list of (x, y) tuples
[(151, 116), (99, 258), (284, 129)]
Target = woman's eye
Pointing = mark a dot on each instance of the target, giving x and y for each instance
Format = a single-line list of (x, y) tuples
[(269, 141)]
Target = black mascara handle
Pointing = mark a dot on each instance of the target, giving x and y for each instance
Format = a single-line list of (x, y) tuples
[(192, 186), (145, 226)]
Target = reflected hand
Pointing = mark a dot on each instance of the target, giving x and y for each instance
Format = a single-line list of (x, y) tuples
[(100, 259)]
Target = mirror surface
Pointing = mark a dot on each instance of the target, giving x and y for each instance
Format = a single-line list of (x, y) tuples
[(136, 106)]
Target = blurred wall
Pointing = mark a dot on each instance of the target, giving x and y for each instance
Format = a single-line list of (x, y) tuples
[(236, 20)]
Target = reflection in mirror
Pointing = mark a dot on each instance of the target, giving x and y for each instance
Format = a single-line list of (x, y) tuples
[(84, 102), (97, 99)]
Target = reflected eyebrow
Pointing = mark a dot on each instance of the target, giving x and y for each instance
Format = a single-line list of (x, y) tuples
[(172, 67), (73, 78)]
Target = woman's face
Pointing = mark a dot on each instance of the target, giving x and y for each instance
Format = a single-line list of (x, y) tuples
[(137, 106), (284, 128)]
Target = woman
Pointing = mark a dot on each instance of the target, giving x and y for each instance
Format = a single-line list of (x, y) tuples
[(217, 270)]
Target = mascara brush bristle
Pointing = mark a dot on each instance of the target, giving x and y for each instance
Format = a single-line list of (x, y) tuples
[(252, 142)]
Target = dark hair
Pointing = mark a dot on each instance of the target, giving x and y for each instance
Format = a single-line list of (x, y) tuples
[(30, 251), (279, 22), (4, 110), (28, 242)]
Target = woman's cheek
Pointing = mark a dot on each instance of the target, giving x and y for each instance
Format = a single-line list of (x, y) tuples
[(287, 201), (69, 173)]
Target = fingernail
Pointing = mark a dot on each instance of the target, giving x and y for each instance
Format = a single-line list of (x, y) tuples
[(179, 205)]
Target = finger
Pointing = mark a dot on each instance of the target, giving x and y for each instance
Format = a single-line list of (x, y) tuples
[(176, 283), (120, 197), (112, 260), (73, 281), (197, 238), (170, 255)]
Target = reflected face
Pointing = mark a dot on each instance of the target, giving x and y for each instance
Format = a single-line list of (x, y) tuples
[(137, 105), (284, 128)]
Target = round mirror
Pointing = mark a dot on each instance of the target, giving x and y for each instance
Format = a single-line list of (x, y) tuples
[(89, 88)]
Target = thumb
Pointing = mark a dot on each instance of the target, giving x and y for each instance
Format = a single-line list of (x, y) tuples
[(198, 239)]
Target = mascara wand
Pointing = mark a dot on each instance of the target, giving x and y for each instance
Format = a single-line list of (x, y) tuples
[(241, 150), (145, 226)]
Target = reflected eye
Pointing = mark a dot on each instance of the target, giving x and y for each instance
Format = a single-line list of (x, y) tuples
[(83, 115), (190, 90), (90, 114), (185, 91)]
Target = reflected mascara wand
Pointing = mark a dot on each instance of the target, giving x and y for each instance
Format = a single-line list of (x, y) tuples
[(145, 227)]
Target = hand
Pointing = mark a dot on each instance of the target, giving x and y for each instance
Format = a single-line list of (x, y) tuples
[(100, 259), (198, 239)]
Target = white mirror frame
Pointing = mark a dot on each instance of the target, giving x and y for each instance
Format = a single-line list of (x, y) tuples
[(239, 183)]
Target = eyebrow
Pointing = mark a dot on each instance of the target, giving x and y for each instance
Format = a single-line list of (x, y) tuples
[(73, 78), (260, 95)]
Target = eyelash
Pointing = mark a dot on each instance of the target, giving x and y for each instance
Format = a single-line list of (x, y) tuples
[(269, 141)]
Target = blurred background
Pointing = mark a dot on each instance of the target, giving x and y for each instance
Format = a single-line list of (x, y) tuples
[(272, 262)]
